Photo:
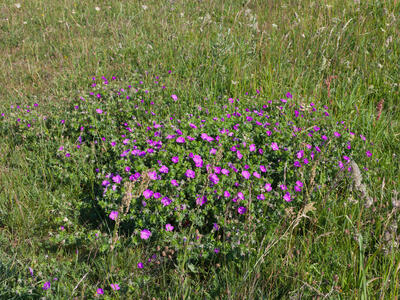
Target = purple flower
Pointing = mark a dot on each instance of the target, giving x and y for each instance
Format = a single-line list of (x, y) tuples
[(105, 183), (140, 265), (113, 215), (283, 187), (216, 250), (263, 169), (169, 227), (46, 285), (152, 175), (340, 164), (145, 234), (305, 161), (117, 179), (268, 187), (246, 174), (180, 140), (299, 183), (324, 137), (166, 201), (174, 182), (337, 134), (214, 178), (115, 286), (175, 159), (213, 151), (297, 164), (297, 188), (201, 200), (239, 155), (227, 194), (241, 210), (174, 97), (346, 158), (127, 169), (369, 154), (252, 147), (157, 195), (240, 195), (274, 146), (100, 291), (215, 226), (300, 154), (225, 171), (256, 174), (147, 194), (287, 197), (190, 174), (99, 111), (261, 197), (164, 169)]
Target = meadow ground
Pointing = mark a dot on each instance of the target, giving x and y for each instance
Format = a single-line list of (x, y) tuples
[(56, 243)]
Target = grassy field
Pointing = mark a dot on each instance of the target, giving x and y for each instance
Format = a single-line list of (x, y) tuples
[(343, 54)]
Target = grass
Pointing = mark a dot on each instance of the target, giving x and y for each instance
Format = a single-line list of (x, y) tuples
[(50, 50)]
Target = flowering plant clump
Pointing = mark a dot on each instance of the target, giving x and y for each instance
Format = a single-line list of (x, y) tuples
[(208, 180)]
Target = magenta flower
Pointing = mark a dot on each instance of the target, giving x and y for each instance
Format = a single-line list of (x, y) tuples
[(175, 159), (297, 164), (252, 147), (256, 174), (174, 182), (299, 183), (190, 174), (246, 174), (268, 187), (214, 178), (166, 201), (100, 291), (145, 234), (180, 140), (46, 285), (337, 134), (287, 197), (157, 195), (305, 161), (274, 146), (324, 137), (113, 215), (283, 187), (241, 210), (213, 151), (340, 164), (201, 200), (152, 175), (225, 171), (117, 179), (147, 194), (297, 188), (99, 111), (239, 155), (169, 227), (115, 286), (300, 154), (140, 265), (227, 194), (369, 154), (263, 169), (240, 195), (261, 197), (164, 169), (174, 97)]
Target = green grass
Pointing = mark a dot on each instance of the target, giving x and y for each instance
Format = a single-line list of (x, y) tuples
[(49, 50)]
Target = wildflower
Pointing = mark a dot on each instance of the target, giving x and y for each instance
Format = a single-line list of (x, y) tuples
[(274, 146), (174, 97), (299, 183), (213, 151), (241, 210), (145, 234), (214, 178), (140, 265), (246, 174), (174, 182), (215, 226), (147, 194), (287, 197), (157, 195), (300, 154), (117, 179), (190, 174), (175, 159), (99, 111), (227, 194), (180, 140), (169, 227), (297, 164), (225, 171), (261, 197), (115, 286), (252, 147), (324, 137), (166, 201), (256, 174), (240, 195), (263, 169), (164, 169), (201, 200), (337, 134), (297, 188), (113, 215), (68, 154), (283, 187), (216, 250), (152, 175), (268, 187), (340, 164), (46, 285), (239, 155), (369, 154)]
